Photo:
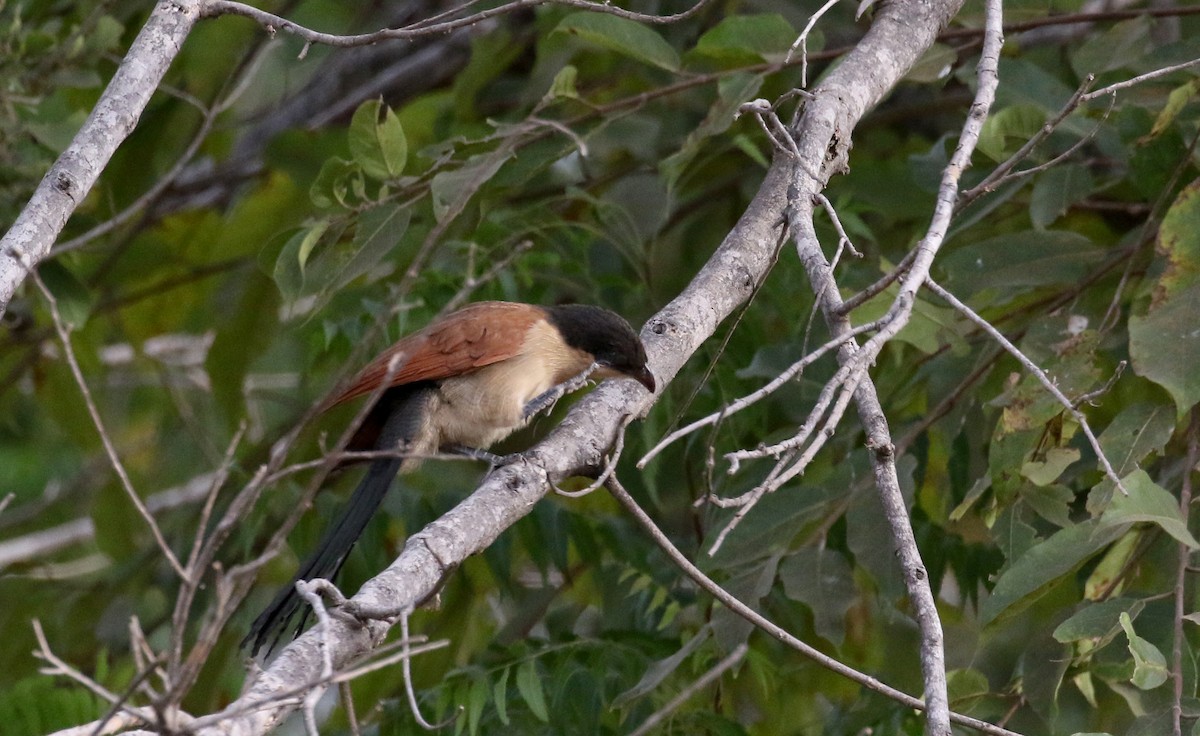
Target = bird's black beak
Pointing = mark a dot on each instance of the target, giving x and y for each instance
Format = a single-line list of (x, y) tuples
[(645, 377)]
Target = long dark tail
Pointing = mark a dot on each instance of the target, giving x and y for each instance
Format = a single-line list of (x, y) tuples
[(401, 418)]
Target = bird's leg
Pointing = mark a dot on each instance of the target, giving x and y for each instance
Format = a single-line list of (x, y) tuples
[(547, 399), (492, 459), (475, 453)]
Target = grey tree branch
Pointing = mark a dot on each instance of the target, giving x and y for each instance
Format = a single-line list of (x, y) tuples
[(71, 177), (823, 138)]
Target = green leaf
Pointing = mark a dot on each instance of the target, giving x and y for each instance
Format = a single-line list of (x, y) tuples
[(311, 238), (451, 189), (1136, 432), (379, 230), (1036, 571), (732, 91), (1056, 190), (530, 687), (500, 695), (287, 273), (966, 686), (1150, 666), (1045, 472), (333, 183), (1005, 131), (1176, 101), (1179, 244), (476, 699), (1119, 47), (1086, 685), (623, 36), (564, 84), (1028, 83), (765, 36), (1165, 346), (658, 671), (74, 299), (822, 580), (936, 63), (39, 704), (1097, 620), (1016, 261), (748, 147), (1107, 574), (1147, 502), (378, 145), (1050, 500)]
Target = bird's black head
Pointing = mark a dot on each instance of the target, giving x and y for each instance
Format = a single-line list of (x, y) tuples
[(607, 336)]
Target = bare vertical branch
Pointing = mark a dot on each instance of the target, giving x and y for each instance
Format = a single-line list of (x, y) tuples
[(818, 128)]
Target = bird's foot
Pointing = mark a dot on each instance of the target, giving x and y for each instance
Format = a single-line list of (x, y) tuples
[(493, 460), (475, 453), (547, 399)]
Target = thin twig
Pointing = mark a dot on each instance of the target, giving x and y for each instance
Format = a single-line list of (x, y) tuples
[(273, 23), (862, 297), (347, 698), (1037, 372), (610, 463), (779, 476), (1148, 76), (187, 592), (801, 42), (310, 591), (992, 180), (844, 239), (775, 631), (292, 694), (774, 385), (406, 666), (848, 373), (702, 682), (64, 336), (59, 667)]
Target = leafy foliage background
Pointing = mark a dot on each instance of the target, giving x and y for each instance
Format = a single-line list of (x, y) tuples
[(242, 291)]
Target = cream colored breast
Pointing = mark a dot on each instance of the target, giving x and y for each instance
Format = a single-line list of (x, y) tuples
[(487, 405)]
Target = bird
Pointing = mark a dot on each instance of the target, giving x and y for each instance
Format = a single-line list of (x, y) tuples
[(462, 383)]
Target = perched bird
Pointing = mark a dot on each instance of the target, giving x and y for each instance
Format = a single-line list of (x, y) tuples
[(462, 383)]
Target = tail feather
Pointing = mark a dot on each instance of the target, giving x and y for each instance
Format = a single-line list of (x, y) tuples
[(327, 561), (404, 413)]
